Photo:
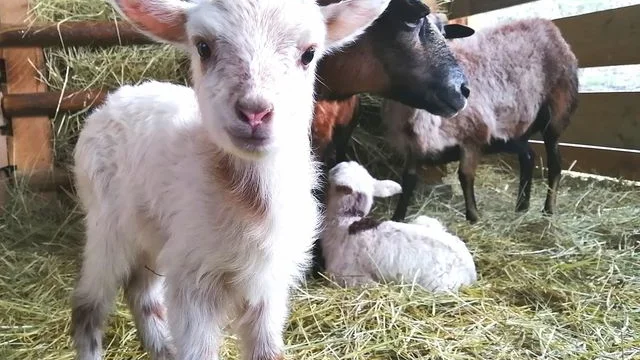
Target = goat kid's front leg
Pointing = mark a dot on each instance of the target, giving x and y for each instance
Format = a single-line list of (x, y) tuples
[(144, 296), (469, 157), (262, 325), (409, 181), (195, 316)]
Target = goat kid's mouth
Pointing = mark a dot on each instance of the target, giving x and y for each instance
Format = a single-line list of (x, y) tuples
[(250, 142)]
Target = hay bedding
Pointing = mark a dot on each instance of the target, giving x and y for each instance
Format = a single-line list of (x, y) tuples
[(560, 288)]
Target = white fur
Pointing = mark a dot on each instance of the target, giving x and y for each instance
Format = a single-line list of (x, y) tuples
[(423, 252), (145, 168)]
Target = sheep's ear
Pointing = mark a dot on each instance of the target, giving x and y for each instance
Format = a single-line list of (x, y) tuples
[(348, 19), (386, 188), (161, 20), (456, 31)]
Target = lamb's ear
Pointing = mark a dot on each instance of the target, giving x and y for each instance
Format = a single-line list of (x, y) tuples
[(386, 188), (161, 20), (348, 19), (344, 189), (456, 31)]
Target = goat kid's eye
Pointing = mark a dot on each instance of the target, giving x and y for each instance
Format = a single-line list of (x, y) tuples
[(307, 56), (203, 50)]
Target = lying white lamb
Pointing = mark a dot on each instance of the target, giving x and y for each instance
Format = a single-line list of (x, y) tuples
[(359, 250)]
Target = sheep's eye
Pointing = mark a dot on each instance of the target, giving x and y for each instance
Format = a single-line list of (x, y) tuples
[(203, 50), (412, 24), (308, 55)]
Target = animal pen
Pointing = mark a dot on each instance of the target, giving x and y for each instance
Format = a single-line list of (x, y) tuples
[(565, 287)]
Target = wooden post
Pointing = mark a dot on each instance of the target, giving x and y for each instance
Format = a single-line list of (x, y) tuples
[(29, 145), (4, 152)]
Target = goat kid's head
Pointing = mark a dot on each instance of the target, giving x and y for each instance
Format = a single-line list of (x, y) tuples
[(253, 61), (352, 189)]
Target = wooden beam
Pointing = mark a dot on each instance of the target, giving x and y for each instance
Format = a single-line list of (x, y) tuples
[(611, 162), (604, 38), (45, 180), (605, 119), (49, 103), (617, 163), (30, 144), (464, 8), (76, 33)]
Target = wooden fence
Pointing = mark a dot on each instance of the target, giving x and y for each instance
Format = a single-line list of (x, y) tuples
[(604, 137)]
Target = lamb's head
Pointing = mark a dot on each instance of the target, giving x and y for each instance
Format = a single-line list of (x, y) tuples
[(352, 189), (253, 61)]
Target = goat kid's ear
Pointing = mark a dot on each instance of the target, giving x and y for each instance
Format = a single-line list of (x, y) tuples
[(161, 20), (348, 19), (457, 31), (386, 188)]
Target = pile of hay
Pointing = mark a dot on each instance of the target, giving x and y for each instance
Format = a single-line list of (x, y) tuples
[(565, 287)]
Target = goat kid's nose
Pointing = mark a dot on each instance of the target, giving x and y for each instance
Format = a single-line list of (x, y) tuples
[(464, 89), (254, 113)]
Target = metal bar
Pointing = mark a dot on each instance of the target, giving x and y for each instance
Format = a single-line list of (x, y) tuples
[(48, 103), (76, 33)]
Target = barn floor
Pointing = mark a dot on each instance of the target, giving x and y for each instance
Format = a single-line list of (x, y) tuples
[(565, 287), (561, 288)]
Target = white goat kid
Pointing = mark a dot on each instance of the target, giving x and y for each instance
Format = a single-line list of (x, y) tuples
[(209, 188), (360, 250)]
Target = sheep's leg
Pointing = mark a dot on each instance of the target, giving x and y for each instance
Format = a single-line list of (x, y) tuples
[(526, 159), (466, 174), (144, 296), (550, 137), (261, 327), (409, 181), (320, 193), (104, 268), (342, 135), (194, 316)]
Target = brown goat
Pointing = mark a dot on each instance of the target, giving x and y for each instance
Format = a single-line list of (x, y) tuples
[(524, 79)]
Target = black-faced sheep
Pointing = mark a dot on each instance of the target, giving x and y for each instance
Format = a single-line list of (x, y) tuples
[(403, 56), (523, 78)]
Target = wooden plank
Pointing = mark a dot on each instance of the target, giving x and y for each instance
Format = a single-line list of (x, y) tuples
[(605, 119), (73, 33), (612, 162), (604, 38), (463, 8), (30, 145), (48, 103), (45, 180)]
